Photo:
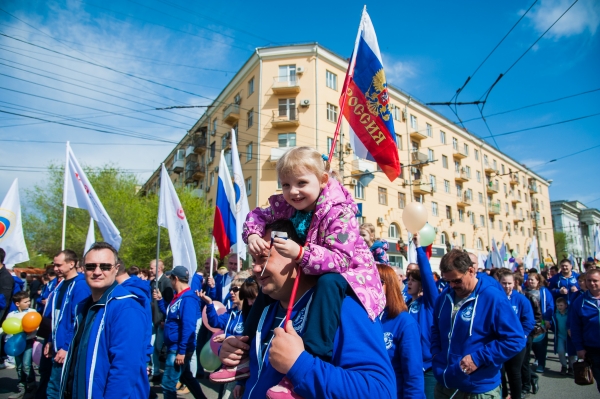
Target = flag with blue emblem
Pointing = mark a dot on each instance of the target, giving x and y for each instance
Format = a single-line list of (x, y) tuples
[(12, 239), (365, 103)]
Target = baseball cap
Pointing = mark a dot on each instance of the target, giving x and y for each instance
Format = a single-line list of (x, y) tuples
[(180, 272)]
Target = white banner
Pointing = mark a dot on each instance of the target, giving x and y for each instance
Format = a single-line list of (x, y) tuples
[(91, 237), (241, 198), (12, 239)]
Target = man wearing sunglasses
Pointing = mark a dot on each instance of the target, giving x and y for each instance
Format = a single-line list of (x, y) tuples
[(108, 353), (475, 330)]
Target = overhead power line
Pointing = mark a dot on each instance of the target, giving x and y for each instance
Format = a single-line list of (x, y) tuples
[(541, 126), (85, 143)]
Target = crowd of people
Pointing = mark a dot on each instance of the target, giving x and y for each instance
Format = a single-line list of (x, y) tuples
[(320, 314)]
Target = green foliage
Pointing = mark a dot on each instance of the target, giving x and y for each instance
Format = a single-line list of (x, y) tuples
[(134, 215), (561, 244)]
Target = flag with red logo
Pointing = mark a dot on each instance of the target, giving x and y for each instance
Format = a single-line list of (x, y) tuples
[(172, 217), (365, 103), (79, 193), (12, 239)]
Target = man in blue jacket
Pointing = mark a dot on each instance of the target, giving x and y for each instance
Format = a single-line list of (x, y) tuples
[(584, 316), (67, 294), (107, 357), (564, 284), (475, 330), (360, 366)]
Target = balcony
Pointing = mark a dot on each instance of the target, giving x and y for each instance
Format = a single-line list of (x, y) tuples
[(178, 166), (422, 187), (277, 153), (463, 199), (461, 176), (533, 188), (514, 179), (494, 209), (198, 193), (418, 157), (285, 118), (492, 188), (417, 135), (516, 200), (362, 165), (199, 143), (231, 114), (517, 219), (459, 153), (488, 168), (286, 84), (194, 172)]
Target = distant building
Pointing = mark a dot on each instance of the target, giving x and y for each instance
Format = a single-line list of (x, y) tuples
[(288, 96), (577, 221)]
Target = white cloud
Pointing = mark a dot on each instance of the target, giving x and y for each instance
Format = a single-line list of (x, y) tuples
[(583, 16), (398, 73)]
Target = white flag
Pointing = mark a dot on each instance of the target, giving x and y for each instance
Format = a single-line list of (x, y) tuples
[(412, 250), (79, 193), (533, 260), (91, 237), (241, 198), (11, 228), (172, 217)]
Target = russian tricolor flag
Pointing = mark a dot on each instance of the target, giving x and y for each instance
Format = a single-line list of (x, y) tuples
[(224, 228), (365, 102)]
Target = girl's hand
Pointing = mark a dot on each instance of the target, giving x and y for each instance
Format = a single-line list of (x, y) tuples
[(204, 297), (256, 245), (219, 338), (286, 248), (416, 240)]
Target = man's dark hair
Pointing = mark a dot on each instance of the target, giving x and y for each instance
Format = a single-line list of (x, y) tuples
[(19, 296), (50, 271), (589, 265), (122, 269), (70, 256), (287, 227), (133, 270), (565, 260), (103, 245), (23, 275), (2, 255), (457, 260), (561, 300), (555, 268)]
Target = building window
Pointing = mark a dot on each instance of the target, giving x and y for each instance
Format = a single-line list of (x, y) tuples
[(287, 73), (495, 165), (443, 238), (529, 233), (476, 155), (329, 144), (359, 191), (448, 212), (491, 223), (382, 195), (212, 179), (332, 112), (480, 198), (457, 166), (502, 167), (444, 162), (431, 155), (468, 171), (249, 186), (331, 80), (481, 221), (432, 182), (250, 118), (479, 243), (399, 142), (472, 218), (224, 141), (518, 249), (466, 147), (214, 129), (213, 149), (413, 122), (454, 143), (287, 140), (361, 220), (463, 241), (287, 108), (401, 200), (500, 225), (461, 214), (249, 152), (434, 208), (478, 175), (393, 231), (447, 186), (251, 86), (442, 137), (429, 130)]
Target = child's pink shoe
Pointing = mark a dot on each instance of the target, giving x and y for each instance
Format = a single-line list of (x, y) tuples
[(283, 390), (230, 374)]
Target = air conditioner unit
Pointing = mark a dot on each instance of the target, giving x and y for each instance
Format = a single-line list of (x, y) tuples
[(217, 169), (353, 182), (210, 159), (208, 189), (213, 132), (469, 213), (305, 103), (348, 147), (380, 220), (299, 69), (403, 116)]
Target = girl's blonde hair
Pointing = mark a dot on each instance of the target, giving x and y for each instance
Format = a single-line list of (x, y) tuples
[(301, 158), (370, 228)]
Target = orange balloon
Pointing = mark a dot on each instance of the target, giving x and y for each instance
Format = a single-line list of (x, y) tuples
[(31, 321)]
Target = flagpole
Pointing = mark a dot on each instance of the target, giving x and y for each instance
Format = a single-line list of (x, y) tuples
[(238, 262), (212, 256), (157, 257), (64, 223)]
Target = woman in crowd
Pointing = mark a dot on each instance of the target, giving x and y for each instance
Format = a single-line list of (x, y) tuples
[(536, 287), (402, 338), (423, 293)]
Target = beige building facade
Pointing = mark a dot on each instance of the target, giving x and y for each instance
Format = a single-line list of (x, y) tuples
[(288, 96)]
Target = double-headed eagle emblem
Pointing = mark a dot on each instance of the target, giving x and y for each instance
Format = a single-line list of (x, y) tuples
[(377, 96)]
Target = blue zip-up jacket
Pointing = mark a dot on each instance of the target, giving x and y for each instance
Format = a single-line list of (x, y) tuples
[(231, 322), (523, 310), (63, 323), (46, 291), (558, 281), (141, 289), (485, 327), (116, 356), (180, 324), (585, 322), (18, 287), (402, 341), (422, 307), (221, 290), (197, 281), (441, 284), (359, 368)]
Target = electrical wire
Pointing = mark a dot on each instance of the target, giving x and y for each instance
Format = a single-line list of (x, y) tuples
[(566, 156), (85, 143), (546, 125)]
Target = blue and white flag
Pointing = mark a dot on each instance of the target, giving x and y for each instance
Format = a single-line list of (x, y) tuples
[(241, 198), (12, 239), (533, 259)]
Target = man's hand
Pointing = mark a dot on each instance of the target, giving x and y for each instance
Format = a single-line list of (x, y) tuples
[(564, 291), (417, 240), (43, 301), (156, 294), (581, 354), (467, 365), (233, 350), (238, 391), (47, 350), (211, 282), (286, 348), (60, 356), (179, 359), (286, 248), (256, 245), (574, 289)]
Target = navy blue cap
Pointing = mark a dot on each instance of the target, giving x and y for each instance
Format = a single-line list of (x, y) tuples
[(181, 272)]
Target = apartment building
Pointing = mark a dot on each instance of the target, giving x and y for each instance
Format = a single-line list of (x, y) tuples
[(578, 222), (288, 96)]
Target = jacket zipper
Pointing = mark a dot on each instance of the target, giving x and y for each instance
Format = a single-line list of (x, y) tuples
[(450, 334)]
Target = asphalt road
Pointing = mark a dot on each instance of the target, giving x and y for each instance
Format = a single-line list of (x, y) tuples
[(552, 385)]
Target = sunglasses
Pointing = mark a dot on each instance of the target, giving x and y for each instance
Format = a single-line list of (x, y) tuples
[(234, 289), (90, 267), (457, 281)]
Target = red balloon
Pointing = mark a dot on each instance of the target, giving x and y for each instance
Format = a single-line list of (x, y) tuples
[(31, 321), (220, 308)]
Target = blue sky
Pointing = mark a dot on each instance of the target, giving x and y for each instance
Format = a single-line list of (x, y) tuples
[(429, 49)]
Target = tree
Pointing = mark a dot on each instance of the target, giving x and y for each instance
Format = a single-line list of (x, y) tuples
[(561, 244), (135, 216)]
